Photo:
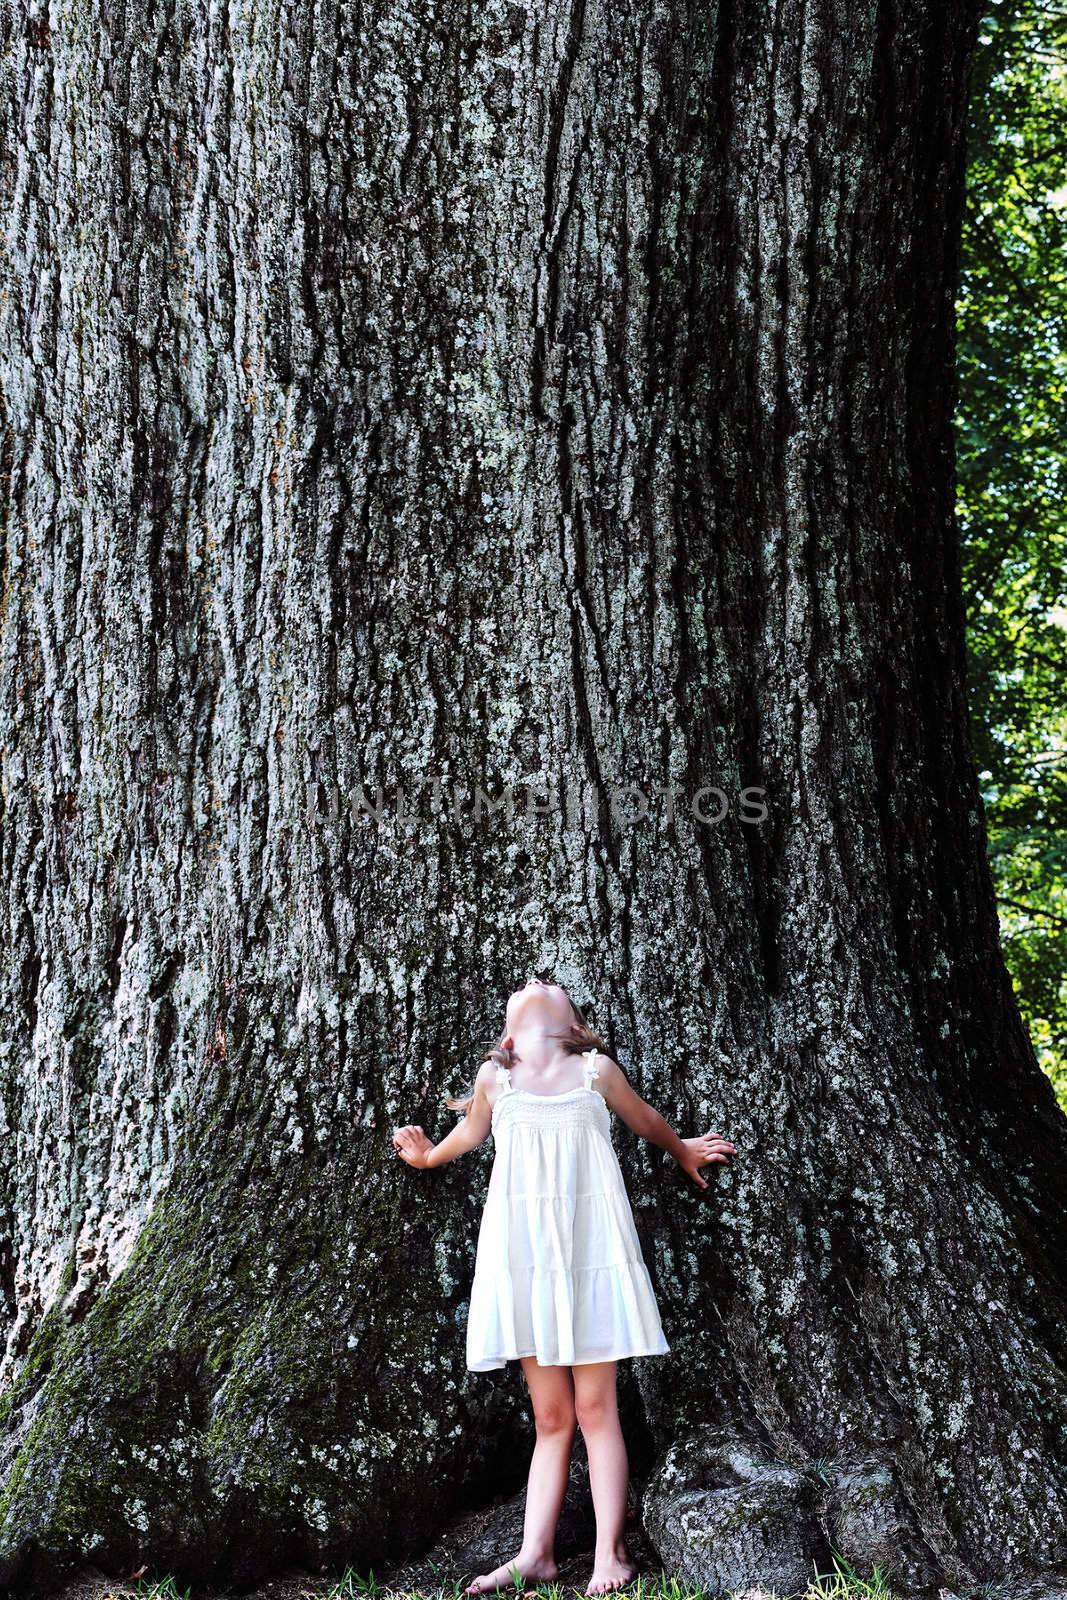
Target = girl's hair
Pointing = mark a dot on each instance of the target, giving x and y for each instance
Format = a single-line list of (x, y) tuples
[(578, 1037)]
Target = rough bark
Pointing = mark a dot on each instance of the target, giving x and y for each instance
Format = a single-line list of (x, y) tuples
[(487, 394)]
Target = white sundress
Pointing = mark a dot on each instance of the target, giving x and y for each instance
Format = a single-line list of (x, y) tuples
[(558, 1271)]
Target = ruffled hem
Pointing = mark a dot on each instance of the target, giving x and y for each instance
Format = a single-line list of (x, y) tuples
[(613, 1316), (620, 1355)]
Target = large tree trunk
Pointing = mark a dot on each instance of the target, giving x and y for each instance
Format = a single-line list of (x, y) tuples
[(492, 394)]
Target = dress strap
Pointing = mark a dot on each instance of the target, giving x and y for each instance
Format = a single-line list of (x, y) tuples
[(503, 1077), (591, 1069)]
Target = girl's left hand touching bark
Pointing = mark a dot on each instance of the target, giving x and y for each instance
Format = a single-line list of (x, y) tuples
[(702, 1151)]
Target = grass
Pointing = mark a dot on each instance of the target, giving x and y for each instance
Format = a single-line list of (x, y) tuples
[(165, 1589), (843, 1583)]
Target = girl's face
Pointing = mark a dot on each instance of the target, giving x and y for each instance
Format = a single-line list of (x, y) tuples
[(539, 1004)]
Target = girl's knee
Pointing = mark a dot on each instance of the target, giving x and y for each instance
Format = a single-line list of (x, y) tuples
[(594, 1411), (554, 1417)]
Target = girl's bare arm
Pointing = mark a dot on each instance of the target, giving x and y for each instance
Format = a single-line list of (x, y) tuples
[(647, 1123), (472, 1130)]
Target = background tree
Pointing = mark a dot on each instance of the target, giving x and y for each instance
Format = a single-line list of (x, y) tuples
[(1012, 493), (481, 397)]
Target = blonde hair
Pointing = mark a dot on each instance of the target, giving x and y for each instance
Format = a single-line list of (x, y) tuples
[(578, 1038)]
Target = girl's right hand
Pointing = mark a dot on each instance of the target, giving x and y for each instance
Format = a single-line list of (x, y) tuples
[(412, 1145)]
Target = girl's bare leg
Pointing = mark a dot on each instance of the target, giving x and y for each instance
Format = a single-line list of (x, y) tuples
[(597, 1410), (552, 1396)]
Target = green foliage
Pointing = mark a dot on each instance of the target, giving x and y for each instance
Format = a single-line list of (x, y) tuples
[(1012, 477)]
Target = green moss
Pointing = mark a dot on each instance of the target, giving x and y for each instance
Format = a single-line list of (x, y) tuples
[(42, 1349), (246, 1383)]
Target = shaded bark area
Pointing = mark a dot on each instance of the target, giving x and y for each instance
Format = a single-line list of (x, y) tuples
[(491, 398)]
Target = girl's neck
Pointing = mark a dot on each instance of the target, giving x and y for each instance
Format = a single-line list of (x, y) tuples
[(538, 1051)]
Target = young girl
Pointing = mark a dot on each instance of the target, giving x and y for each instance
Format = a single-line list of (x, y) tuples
[(559, 1280)]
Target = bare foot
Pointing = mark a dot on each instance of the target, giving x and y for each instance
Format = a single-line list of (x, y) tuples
[(611, 1572), (529, 1567)]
